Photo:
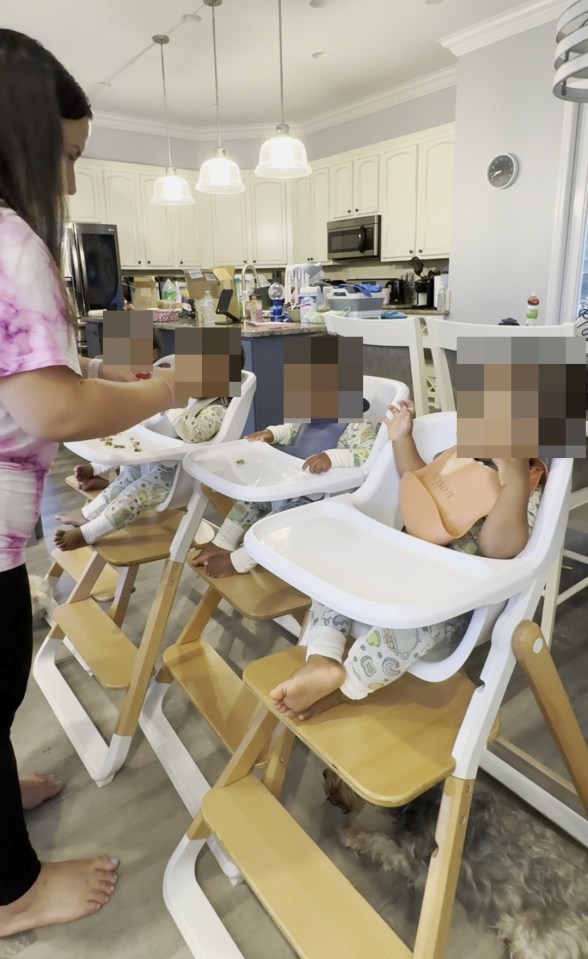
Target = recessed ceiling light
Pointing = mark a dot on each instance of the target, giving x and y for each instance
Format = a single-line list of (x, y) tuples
[(191, 18), (320, 3), (431, 2), (104, 83), (320, 54)]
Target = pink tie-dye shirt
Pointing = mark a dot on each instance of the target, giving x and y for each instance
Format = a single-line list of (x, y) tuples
[(33, 334)]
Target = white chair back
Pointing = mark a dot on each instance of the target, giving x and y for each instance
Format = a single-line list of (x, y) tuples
[(443, 335)]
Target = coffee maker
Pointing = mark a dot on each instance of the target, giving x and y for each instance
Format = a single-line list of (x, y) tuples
[(424, 288)]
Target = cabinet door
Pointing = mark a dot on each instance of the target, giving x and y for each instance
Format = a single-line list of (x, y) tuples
[(366, 184), (229, 229), (157, 226), (301, 219), (319, 209), (435, 196), (342, 189), (122, 207), (87, 203), (398, 194), (269, 222), (184, 223)]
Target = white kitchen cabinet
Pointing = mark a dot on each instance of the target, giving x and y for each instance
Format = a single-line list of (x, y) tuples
[(355, 186), (268, 210), (230, 235), (122, 207), (310, 213), (416, 187), (87, 204), (157, 226), (185, 226)]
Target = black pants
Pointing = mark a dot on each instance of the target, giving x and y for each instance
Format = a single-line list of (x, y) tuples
[(19, 866)]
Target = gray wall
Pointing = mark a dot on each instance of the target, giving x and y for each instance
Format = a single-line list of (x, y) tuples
[(501, 243), (404, 118)]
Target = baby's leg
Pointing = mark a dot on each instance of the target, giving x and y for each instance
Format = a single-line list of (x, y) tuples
[(216, 555), (322, 673), (95, 507)]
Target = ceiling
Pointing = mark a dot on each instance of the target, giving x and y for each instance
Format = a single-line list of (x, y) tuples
[(369, 47)]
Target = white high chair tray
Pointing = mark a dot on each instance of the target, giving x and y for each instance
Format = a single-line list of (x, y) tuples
[(375, 574), (257, 471), (153, 446)]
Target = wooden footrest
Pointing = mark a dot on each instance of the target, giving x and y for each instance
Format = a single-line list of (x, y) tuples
[(74, 562), (315, 906), (147, 539), (105, 648), (389, 748), (258, 594), (89, 494), (213, 687)]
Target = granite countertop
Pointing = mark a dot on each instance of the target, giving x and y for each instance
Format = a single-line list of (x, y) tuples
[(247, 332)]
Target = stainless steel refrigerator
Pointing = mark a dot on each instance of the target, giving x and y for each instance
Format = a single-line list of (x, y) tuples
[(91, 267)]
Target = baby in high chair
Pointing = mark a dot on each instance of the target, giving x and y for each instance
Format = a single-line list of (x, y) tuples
[(140, 487), (351, 446), (438, 503)]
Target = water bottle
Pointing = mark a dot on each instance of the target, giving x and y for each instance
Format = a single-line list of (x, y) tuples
[(533, 310), (169, 291), (207, 308)]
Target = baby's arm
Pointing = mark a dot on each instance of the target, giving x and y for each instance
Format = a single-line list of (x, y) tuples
[(354, 445), (399, 427), (506, 528), (201, 426)]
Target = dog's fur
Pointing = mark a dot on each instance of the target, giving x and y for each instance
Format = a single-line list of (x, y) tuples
[(516, 875), (42, 600)]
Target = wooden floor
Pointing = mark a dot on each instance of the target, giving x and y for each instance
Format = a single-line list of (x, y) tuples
[(139, 818)]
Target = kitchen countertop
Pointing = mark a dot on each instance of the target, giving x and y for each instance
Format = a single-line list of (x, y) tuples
[(247, 332)]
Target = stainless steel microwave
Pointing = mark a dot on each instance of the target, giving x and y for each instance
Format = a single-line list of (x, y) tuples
[(358, 237)]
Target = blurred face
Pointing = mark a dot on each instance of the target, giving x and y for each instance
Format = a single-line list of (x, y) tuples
[(75, 137)]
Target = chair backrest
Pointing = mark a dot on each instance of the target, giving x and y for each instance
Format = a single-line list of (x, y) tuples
[(401, 338), (378, 498), (231, 428), (443, 335)]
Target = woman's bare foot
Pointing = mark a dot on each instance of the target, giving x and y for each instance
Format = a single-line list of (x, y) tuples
[(312, 682), (63, 892), (36, 788), (69, 539), (207, 553), (74, 518)]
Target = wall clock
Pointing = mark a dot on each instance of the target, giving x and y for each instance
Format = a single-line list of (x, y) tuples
[(502, 171)]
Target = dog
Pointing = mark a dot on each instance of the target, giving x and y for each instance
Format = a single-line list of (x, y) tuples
[(516, 875), (42, 601)]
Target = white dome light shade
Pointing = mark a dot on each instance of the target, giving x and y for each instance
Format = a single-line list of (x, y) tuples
[(283, 157), (571, 54), (172, 190), (220, 175)]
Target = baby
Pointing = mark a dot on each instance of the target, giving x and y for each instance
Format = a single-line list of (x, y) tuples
[(138, 487), (352, 445)]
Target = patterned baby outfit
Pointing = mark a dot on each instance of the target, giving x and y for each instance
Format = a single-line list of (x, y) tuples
[(353, 448), (380, 655)]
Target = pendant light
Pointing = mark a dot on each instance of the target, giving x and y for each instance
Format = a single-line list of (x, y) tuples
[(218, 175), (171, 189), (571, 54), (282, 156)]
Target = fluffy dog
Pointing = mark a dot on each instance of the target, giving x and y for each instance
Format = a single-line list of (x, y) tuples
[(517, 876), (42, 600)]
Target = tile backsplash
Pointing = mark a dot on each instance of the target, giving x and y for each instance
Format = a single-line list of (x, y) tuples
[(376, 270)]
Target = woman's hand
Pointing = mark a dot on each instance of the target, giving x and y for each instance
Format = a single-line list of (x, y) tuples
[(400, 426), (262, 436)]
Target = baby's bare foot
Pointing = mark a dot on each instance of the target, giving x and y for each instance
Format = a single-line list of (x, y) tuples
[(84, 472), (38, 787), (335, 698), (63, 892), (95, 482), (312, 682), (69, 539), (74, 518), (220, 566), (207, 553)]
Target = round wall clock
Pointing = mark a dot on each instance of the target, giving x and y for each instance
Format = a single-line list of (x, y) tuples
[(502, 171)]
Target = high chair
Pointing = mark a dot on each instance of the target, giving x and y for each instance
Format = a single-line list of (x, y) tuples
[(95, 636), (397, 744), (256, 472)]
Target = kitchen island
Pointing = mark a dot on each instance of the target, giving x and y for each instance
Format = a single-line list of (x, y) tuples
[(264, 356)]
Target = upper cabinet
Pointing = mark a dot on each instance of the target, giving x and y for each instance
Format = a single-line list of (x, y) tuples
[(122, 203), (87, 204), (157, 226), (310, 213), (269, 220), (416, 189), (355, 186)]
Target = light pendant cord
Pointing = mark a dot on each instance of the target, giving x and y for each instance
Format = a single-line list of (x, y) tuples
[(170, 164), (281, 60), (216, 79)]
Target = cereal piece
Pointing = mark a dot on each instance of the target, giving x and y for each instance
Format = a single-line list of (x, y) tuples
[(239, 462)]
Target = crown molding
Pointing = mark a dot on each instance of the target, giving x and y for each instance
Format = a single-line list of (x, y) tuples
[(522, 18), (411, 90)]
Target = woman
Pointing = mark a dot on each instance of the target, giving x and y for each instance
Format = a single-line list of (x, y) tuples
[(44, 398)]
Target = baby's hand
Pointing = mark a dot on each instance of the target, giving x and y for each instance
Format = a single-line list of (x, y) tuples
[(319, 463), (264, 436), (510, 470), (400, 425)]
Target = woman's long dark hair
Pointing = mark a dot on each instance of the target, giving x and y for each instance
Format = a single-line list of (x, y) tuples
[(36, 93)]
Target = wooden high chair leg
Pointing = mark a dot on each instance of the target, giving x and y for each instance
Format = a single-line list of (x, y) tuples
[(148, 649), (122, 596), (439, 897), (222, 504), (535, 658), (280, 749), (193, 629)]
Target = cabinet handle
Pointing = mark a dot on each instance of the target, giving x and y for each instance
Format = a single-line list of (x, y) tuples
[(349, 211), (420, 251), (357, 209), (148, 262), (411, 251), (181, 262), (139, 262)]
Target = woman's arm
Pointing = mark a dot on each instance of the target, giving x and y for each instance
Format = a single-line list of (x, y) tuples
[(54, 403), (506, 528)]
